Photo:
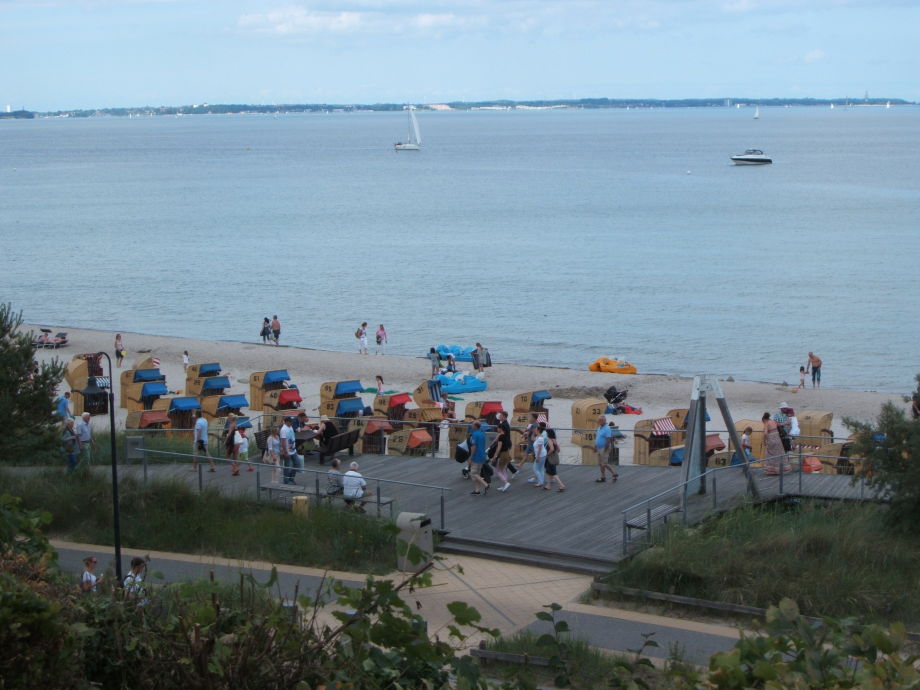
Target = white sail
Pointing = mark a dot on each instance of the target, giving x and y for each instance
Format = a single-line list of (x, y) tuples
[(414, 139), (414, 136), (757, 113)]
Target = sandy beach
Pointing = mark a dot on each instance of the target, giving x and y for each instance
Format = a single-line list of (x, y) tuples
[(655, 394)]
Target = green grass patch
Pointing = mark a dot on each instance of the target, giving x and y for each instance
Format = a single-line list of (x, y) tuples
[(589, 667), (169, 516), (834, 559)]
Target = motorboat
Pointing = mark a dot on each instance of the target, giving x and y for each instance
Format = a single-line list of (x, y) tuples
[(752, 157)]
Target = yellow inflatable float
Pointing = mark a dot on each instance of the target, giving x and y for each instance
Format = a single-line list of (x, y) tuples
[(613, 366)]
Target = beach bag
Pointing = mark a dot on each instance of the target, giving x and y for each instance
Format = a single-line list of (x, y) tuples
[(462, 452), (358, 334), (379, 339), (784, 437)]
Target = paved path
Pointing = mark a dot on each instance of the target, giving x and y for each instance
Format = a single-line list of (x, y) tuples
[(507, 596)]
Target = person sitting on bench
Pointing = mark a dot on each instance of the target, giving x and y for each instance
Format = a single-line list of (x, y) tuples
[(334, 478), (353, 486), (326, 431)]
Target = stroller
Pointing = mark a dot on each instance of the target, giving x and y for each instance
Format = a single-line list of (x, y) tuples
[(615, 399)]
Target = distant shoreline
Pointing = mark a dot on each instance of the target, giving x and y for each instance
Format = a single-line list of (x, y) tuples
[(498, 104)]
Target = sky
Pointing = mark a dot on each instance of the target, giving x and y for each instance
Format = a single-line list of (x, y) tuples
[(70, 54)]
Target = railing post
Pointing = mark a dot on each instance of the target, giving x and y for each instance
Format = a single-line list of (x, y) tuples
[(442, 510), (715, 500), (316, 484), (200, 477), (782, 473), (259, 482), (648, 522), (378, 498), (145, 467), (800, 469), (625, 535)]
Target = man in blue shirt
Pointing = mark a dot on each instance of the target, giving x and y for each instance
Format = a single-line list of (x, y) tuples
[(478, 458), (605, 446), (63, 407)]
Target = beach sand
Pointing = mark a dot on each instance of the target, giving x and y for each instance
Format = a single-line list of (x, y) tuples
[(655, 394)]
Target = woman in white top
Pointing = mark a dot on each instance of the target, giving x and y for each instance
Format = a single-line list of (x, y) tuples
[(89, 581), (244, 447), (273, 449)]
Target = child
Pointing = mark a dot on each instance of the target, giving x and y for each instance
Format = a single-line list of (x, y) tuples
[(801, 378), (185, 360), (273, 446), (244, 448)]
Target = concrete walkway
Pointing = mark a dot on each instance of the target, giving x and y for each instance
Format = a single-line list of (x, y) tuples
[(507, 596)]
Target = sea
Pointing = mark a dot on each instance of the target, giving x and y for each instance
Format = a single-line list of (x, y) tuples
[(553, 237)]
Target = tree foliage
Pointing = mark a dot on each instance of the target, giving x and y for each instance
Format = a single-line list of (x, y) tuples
[(891, 450), (26, 396)]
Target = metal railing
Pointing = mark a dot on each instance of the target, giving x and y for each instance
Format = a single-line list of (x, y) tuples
[(201, 460), (644, 512)]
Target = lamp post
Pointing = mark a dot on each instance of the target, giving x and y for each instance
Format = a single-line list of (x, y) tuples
[(92, 388)]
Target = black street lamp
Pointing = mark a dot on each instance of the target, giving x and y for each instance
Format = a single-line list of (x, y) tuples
[(92, 388)]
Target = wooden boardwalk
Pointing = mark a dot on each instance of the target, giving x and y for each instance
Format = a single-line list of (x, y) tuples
[(586, 519)]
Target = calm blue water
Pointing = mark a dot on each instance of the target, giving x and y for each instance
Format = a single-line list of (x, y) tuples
[(553, 237)]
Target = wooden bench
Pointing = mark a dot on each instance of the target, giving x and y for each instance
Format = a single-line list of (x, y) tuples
[(643, 520), (344, 441), (310, 490)]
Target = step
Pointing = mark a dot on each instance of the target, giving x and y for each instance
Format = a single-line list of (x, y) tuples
[(512, 553)]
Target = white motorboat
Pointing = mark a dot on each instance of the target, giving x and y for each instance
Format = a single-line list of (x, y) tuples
[(414, 139), (751, 157)]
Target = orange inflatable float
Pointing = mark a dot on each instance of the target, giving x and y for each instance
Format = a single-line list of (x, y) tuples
[(612, 366)]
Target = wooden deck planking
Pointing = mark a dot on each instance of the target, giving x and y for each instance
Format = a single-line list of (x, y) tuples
[(586, 518)]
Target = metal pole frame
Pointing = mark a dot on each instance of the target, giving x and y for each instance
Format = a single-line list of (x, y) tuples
[(116, 514)]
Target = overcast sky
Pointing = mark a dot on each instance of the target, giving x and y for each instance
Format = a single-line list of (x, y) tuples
[(62, 54)]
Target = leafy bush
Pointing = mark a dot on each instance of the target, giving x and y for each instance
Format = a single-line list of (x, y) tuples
[(891, 447)]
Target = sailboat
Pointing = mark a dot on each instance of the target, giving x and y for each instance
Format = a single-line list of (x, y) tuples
[(414, 140), (757, 112)]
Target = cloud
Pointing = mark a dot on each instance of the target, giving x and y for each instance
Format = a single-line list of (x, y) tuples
[(299, 20), (814, 56)]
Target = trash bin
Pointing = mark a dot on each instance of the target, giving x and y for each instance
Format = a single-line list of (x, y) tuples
[(415, 543), (300, 506)]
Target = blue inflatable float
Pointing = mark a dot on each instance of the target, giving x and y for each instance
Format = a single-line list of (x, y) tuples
[(461, 383), (461, 354)]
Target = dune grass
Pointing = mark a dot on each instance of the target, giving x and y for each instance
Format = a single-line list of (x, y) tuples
[(834, 559), (170, 516)]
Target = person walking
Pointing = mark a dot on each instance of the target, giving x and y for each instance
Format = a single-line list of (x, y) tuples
[(276, 328), (63, 408), (134, 581), (85, 435), (501, 455), (361, 335), (478, 459), (604, 446), (120, 350), (70, 444), (552, 462), (480, 358), (289, 457), (381, 339), (273, 450), (776, 453), (266, 331), (232, 442), (539, 460), (435, 362), (89, 581), (185, 360), (244, 448), (200, 441), (814, 363)]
